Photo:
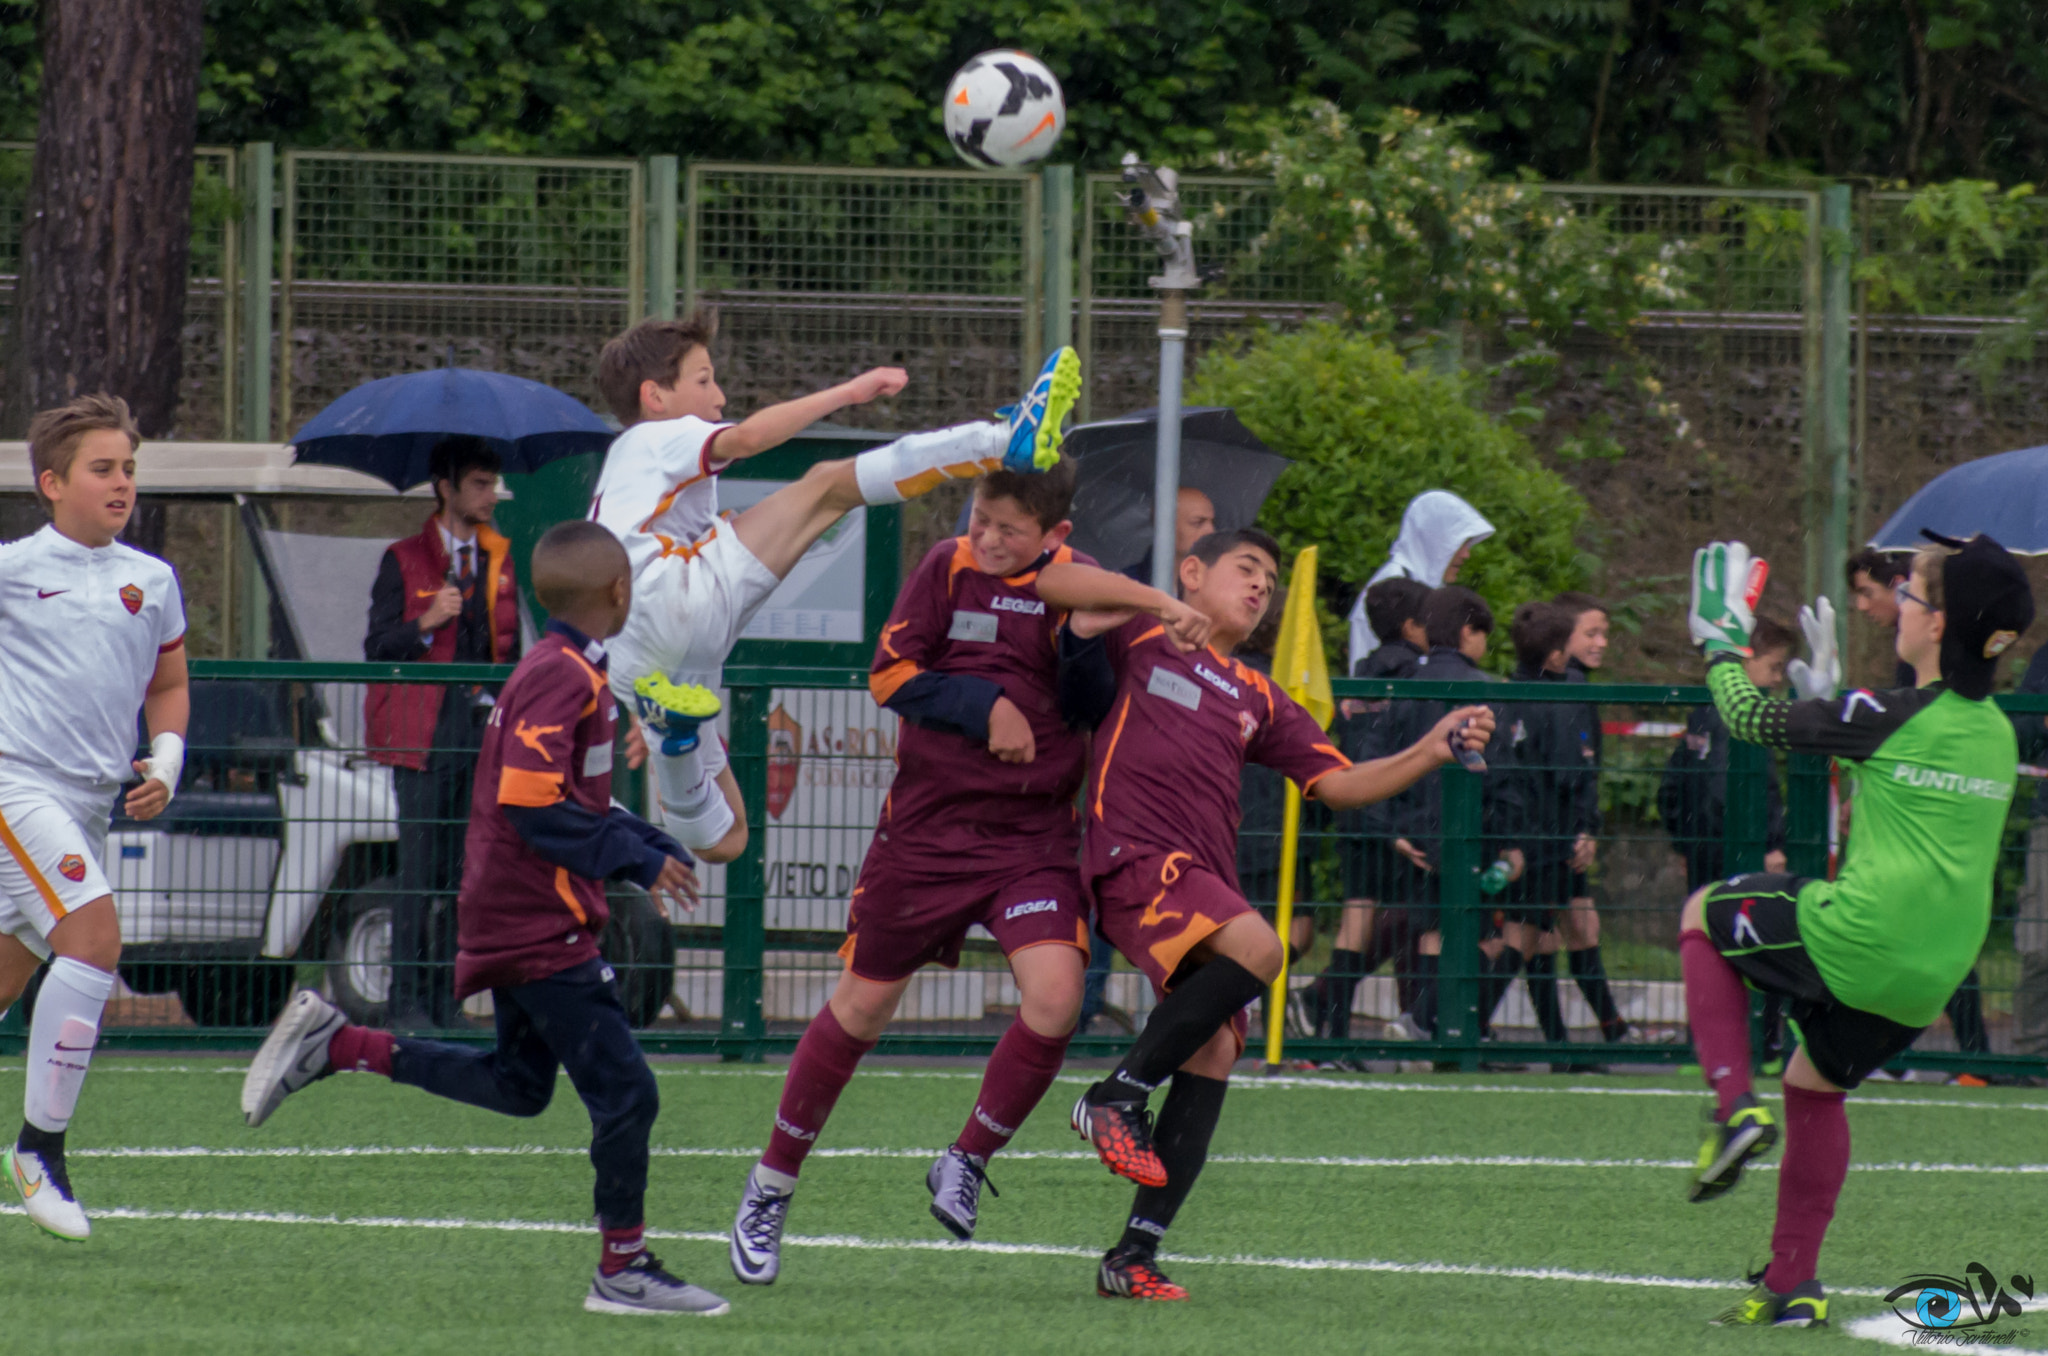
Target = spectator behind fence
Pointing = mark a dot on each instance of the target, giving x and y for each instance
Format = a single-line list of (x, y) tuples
[(2030, 924), (1438, 532), (1873, 577), (1373, 873), (446, 596), (1194, 518)]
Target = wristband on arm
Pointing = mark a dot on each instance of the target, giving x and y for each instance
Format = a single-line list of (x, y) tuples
[(166, 760)]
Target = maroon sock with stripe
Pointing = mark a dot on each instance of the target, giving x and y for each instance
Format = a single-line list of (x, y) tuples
[(819, 1071), (1018, 1073), (361, 1048), (1717, 1005), (622, 1247), (1809, 1180)]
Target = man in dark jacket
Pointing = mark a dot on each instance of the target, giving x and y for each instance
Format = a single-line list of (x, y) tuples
[(446, 596)]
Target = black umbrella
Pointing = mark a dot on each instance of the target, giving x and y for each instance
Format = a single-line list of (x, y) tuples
[(1113, 505)]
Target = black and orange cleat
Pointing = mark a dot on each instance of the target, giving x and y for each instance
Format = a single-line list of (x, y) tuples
[(1128, 1273), (1122, 1135)]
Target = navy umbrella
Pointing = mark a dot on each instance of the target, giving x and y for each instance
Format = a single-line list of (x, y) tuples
[(2005, 495), (387, 427)]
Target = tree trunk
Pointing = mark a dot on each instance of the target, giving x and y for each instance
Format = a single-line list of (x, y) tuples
[(106, 239)]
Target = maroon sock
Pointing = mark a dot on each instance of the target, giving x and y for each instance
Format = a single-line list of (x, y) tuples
[(824, 1061), (620, 1248), (362, 1049), (1717, 1004), (1809, 1179), (1018, 1073)]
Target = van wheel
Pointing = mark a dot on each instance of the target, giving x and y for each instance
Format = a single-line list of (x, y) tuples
[(359, 953), (246, 993), (639, 944)]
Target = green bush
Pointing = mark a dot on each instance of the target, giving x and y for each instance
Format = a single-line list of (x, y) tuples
[(1368, 433)]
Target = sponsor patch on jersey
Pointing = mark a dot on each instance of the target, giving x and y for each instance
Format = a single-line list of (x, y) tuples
[(1030, 906), (1176, 689), (131, 598), (1218, 681), (597, 760), (978, 628), (1030, 607), (72, 867), (1955, 783)]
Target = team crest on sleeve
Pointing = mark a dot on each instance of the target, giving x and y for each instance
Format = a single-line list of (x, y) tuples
[(1247, 725), (72, 867), (131, 598)]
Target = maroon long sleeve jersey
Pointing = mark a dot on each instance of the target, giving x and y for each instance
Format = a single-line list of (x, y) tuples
[(957, 640)]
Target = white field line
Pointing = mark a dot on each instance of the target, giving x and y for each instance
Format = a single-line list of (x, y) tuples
[(854, 1243), (1244, 1083), (1015, 1156)]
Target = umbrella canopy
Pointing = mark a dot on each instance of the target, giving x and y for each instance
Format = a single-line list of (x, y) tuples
[(1113, 502), (2005, 495), (387, 427)]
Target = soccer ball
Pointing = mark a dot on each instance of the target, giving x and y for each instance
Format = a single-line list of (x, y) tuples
[(1004, 109)]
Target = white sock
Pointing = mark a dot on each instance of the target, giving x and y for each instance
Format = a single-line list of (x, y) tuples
[(777, 1181), (693, 807), (919, 463), (60, 1041)]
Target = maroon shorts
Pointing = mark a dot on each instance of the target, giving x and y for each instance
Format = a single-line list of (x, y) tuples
[(1156, 909), (906, 916)]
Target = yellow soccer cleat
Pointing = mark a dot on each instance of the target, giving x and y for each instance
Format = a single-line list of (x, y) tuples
[(674, 710), (1036, 421)]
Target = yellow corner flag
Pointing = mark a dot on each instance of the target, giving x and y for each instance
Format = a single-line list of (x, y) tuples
[(1303, 673)]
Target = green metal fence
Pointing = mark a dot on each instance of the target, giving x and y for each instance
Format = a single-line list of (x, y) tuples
[(282, 859)]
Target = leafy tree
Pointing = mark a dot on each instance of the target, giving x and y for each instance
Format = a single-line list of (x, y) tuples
[(1368, 433)]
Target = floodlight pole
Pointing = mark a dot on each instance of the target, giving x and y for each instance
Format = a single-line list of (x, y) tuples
[(1152, 204)]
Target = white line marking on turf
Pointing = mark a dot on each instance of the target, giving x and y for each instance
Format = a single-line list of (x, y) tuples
[(1013, 1156), (854, 1243)]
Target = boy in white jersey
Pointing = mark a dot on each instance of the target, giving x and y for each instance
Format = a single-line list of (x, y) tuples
[(698, 580), (92, 628)]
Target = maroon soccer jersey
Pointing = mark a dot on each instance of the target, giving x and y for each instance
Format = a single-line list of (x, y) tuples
[(520, 917), (1169, 759), (953, 802)]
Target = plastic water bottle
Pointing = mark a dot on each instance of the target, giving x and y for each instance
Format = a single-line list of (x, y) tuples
[(1494, 879)]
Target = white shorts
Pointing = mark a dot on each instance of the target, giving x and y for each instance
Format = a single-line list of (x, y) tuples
[(689, 608), (53, 833)]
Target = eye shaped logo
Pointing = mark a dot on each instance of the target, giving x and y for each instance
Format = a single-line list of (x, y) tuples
[(1944, 1303)]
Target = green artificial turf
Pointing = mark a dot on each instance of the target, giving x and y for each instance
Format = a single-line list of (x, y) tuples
[(422, 1269)]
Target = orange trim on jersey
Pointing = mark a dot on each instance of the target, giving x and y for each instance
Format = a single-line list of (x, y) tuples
[(884, 685), (963, 559), (1170, 952), (35, 877), (598, 685), (1155, 631), (568, 894), (690, 552), (704, 472), (1308, 787), (1108, 754), (171, 645), (518, 786)]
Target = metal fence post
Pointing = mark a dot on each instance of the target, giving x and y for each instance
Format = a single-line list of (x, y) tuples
[(1034, 341), (1813, 412), (287, 268), (746, 880), (661, 237), (1059, 256), (259, 198), (1838, 244), (692, 188), (1084, 304), (1457, 969)]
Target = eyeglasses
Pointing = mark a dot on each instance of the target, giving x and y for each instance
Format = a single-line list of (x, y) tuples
[(1901, 595)]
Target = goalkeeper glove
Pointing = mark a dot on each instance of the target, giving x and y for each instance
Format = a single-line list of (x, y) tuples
[(1726, 582), (1824, 675)]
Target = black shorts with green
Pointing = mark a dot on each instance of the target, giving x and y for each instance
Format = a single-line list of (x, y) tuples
[(1753, 922)]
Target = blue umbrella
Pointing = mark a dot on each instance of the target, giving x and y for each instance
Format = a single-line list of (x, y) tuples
[(387, 427), (2005, 495)]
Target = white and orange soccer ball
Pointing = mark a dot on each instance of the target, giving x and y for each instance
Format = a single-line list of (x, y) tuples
[(1004, 110)]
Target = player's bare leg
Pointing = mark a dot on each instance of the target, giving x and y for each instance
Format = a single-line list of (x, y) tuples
[(86, 949), (1050, 979)]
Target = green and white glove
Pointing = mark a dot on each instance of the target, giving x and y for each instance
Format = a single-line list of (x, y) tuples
[(1726, 582), (1824, 675)]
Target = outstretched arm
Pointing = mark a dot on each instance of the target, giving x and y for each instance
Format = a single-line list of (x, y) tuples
[(1850, 726), (1363, 783), (777, 424), (1101, 601)]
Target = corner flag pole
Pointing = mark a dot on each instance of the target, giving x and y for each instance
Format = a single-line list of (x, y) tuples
[(1303, 673)]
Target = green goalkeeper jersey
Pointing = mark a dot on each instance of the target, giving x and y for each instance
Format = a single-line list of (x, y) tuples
[(1896, 931)]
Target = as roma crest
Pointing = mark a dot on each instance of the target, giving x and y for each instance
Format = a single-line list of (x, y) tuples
[(131, 598), (785, 757), (72, 868)]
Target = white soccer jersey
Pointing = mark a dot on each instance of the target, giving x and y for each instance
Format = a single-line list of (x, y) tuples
[(658, 491), (80, 631)]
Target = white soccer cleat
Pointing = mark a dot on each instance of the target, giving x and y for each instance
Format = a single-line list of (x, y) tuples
[(45, 1191), (757, 1233), (293, 1055)]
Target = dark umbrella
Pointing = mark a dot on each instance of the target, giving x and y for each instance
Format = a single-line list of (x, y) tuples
[(2005, 495), (1113, 504), (387, 427)]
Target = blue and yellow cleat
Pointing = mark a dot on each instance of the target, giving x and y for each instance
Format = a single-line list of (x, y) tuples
[(1036, 420), (1748, 1133), (1806, 1306), (674, 711)]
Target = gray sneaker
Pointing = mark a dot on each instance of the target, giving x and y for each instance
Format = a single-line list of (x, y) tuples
[(293, 1055), (757, 1233), (644, 1288), (955, 1182)]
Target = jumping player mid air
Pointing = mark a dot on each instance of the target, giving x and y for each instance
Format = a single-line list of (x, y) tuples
[(979, 827), (1866, 960), (1160, 855), (90, 629), (698, 580)]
